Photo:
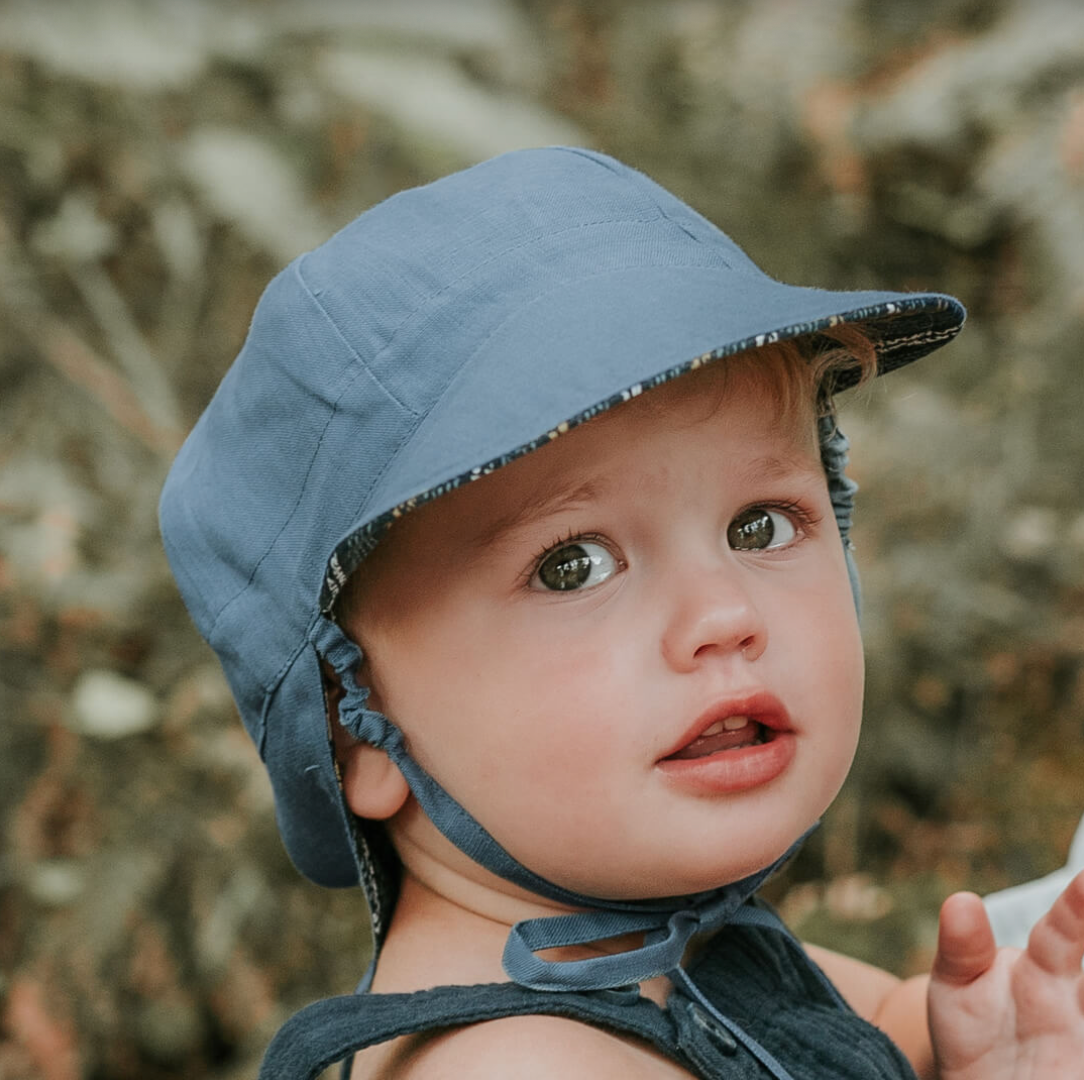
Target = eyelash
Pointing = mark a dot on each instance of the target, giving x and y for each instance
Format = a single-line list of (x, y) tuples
[(568, 537), (804, 519)]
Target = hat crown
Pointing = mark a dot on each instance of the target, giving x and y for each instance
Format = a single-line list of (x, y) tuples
[(431, 270), (439, 335)]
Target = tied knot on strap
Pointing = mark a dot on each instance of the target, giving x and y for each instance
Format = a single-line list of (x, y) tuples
[(667, 928)]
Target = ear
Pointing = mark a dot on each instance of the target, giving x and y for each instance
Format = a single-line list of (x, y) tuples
[(372, 783)]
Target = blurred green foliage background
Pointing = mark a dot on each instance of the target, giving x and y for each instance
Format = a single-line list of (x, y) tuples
[(160, 161)]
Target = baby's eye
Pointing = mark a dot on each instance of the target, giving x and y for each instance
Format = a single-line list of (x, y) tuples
[(580, 564), (760, 529)]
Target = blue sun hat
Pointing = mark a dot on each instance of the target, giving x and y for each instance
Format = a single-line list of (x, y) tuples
[(440, 335)]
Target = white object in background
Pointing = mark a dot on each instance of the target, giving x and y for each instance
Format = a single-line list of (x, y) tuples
[(1014, 911)]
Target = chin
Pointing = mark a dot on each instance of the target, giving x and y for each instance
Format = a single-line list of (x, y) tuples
[(669, 883), (738, 866)]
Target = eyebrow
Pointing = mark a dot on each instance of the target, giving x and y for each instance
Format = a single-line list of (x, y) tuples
[(778, 468), (535, 509)]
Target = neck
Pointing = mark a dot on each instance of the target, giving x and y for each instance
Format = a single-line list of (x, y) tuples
[(454, 921), (436, 939)]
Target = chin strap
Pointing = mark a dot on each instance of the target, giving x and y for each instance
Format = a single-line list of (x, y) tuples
[(667, 924), (841, 490), (668, 927)]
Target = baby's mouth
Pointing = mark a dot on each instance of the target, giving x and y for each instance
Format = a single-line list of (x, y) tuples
[(732, 733)]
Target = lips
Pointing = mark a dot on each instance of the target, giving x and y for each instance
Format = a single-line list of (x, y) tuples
[(734, 747), (732, 725)]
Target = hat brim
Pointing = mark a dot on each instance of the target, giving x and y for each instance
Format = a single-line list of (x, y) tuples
[(617, 334)]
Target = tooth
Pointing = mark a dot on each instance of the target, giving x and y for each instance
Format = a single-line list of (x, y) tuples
[(733, 723), (719, 725)]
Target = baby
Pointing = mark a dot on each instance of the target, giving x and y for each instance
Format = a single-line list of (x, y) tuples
[(520, 528)]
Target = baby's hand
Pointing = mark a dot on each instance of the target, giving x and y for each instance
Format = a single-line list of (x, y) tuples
[(1009, 1014)]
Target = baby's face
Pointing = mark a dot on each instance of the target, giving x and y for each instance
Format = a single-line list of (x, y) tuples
[(632, 655)]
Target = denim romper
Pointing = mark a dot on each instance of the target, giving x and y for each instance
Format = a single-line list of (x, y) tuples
[(756, 976)]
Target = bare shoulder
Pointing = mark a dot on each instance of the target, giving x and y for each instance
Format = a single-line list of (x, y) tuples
[(529, 1048), (863, 986)]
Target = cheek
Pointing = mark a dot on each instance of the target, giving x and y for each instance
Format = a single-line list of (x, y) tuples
[(842, 680), (477, 693), (814, 625), (559, 696), (844, 669)]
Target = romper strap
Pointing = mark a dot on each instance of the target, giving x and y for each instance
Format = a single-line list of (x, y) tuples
[(764, 917), (330, 1030)]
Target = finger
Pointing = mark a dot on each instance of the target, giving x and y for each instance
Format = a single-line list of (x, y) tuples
[(965, 942), (1056, 942)]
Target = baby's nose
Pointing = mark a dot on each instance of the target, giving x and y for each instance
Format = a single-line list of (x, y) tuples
[(713, 614)]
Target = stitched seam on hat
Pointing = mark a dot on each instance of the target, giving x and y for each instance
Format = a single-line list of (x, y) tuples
[(268, 694), (604, 163), (270, 688), (503, 253), (353, 375), (346, 344), (712, 265)]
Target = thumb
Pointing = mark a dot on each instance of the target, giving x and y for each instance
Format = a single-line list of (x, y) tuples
[(965, 941)]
